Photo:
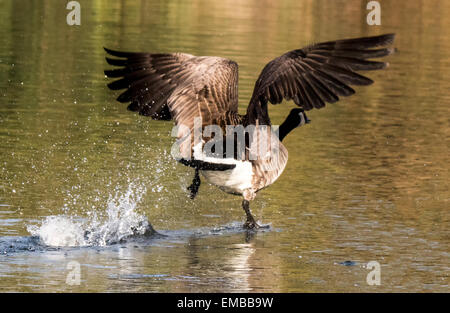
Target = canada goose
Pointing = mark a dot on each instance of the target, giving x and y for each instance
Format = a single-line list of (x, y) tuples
[(188, 88)]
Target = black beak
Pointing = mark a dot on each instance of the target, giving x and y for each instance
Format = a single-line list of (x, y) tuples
[(307, 120)]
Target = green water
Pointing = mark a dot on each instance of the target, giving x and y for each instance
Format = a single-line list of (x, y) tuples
[(367, 180)]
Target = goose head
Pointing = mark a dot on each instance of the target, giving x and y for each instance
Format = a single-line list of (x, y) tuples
[(296, 118)]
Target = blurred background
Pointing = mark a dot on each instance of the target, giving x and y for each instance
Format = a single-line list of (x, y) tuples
[(367, 180)]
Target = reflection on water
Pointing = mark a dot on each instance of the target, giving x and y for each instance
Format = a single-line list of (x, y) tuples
[(366, 180)]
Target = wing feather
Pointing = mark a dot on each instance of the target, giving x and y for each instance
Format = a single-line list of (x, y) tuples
[(178, 86), (317, 74), (151, 81)]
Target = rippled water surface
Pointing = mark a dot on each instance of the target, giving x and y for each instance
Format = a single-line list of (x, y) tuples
[(367, 180)]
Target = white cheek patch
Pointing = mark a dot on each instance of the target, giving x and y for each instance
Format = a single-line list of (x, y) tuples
[(302, 119)]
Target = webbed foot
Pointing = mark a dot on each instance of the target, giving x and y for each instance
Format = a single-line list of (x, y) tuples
[(251, 224)]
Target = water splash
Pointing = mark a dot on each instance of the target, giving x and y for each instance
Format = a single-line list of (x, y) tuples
[(121, 221)]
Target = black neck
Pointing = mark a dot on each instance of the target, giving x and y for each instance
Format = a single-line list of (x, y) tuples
[(286, 127)]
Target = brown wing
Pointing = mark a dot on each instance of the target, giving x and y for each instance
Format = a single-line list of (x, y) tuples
[(317, 74), (203, 85), (178, 86), (149, 80), (209, 92), (209, 95)]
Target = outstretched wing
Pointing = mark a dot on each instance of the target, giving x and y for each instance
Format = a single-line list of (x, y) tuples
[(149, 80), (176, 85), (317, 74)]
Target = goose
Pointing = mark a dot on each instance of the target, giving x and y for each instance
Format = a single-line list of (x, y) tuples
[(201, 91)]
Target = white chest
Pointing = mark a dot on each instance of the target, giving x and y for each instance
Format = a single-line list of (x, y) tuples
[(232, 181)]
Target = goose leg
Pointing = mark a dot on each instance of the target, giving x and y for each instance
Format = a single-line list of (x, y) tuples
[(193, 188), (250, 223)]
